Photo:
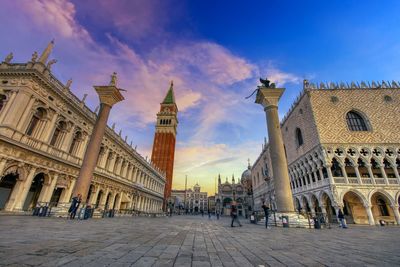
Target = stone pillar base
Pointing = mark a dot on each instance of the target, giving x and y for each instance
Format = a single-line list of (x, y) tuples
[(295, 220)]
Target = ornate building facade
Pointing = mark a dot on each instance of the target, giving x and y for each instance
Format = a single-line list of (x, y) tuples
[(165, 137), (195, 201), (44, 131), (231, 192), (343, 151)]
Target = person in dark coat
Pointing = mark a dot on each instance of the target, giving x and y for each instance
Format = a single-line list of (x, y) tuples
[(234, 215), (266, 212), (74, 206), (342, 219)]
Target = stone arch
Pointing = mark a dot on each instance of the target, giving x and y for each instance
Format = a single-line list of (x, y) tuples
[(398, 198), (36, 190), (354, 203), (383, 192), (382, 205), (16, 168), (9, 179), (316, 204), (326, 200), (358, 193)]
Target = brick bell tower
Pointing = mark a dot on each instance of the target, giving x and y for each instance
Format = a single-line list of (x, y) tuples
[(164, 139)]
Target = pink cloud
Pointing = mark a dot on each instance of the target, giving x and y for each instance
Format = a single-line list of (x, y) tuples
[(203, 74)]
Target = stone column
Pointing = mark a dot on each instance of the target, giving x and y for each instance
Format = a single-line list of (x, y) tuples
[(396, 213), (370, 215), (23, 190), (109, 95), (357, 173), (49, 189), (371, 174), (66, 197), (268, 98)]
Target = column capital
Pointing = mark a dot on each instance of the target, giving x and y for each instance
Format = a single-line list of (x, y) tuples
[(109, 94), (269, 97)]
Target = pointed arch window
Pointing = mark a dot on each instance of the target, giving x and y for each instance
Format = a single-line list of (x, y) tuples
[(336, 169), (299, 137), (356, 122)]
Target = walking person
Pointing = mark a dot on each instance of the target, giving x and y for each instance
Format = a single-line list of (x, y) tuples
[(74, 206), (217, 212), (234, 215), (342, 219), (266, 212)]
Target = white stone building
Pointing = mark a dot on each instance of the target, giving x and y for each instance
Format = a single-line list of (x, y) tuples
[(343, 151), (195, 201), (44, 131)]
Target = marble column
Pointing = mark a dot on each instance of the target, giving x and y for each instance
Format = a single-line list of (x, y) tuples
[(22, 193), (109, 95), (396, 213), (268, 97), (368, 209)]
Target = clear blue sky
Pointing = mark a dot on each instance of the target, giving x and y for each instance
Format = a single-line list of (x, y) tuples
[(215, 52)]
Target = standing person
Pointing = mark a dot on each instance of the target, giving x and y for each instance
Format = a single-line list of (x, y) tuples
[(342, 219), (234, 215), (74, 206), (266, 211)]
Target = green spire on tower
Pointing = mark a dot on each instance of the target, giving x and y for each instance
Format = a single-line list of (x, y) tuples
[(170, 97)]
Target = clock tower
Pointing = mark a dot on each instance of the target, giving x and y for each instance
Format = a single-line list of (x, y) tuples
[(163, 152)]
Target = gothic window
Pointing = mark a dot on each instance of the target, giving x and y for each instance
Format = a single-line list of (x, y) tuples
[(336, 170), (55, 140), (2, 101), (388, 169), (299, 137), (362, 168), (350, 171), (37, 116), (75, 142), (355, 122), (376, 169)]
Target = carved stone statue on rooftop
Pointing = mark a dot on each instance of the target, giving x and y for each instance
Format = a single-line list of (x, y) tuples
[(34, 56), (8, 58), (68, 84), (50, 63), (113, 81)]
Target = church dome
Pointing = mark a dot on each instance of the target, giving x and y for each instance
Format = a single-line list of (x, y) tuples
[(246, 175)]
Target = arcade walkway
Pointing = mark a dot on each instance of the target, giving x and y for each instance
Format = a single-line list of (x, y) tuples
[(188, 241)]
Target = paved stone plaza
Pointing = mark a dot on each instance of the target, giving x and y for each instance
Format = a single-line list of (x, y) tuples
[(188, 241)]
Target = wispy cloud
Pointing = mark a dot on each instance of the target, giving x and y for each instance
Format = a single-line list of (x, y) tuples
[(210, 80)]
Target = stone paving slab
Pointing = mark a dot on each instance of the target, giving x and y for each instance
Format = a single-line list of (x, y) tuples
[(189, 241)]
